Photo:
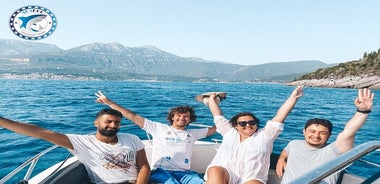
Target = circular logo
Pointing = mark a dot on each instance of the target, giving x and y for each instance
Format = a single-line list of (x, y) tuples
[(33, 22)]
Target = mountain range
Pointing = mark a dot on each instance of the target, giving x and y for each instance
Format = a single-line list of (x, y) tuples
[(114, 61)]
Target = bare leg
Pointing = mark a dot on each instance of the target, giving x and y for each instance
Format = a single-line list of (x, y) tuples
[(253, 182), (217, 175)]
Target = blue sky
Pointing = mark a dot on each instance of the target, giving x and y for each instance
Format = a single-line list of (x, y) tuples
[(246, 32)]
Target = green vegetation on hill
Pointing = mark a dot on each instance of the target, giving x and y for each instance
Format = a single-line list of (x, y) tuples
[(369, 65)]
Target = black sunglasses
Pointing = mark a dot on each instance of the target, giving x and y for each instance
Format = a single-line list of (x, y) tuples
[(244, 123)]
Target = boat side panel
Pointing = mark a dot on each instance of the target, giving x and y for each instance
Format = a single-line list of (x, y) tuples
[(202, 156), (74, 173)]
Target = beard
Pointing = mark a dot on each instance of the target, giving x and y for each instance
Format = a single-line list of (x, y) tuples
[(108, 133)]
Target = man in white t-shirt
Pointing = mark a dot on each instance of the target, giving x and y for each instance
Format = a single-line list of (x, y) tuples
[(172, 144), (302, 156), (244, 155), (107, 156)]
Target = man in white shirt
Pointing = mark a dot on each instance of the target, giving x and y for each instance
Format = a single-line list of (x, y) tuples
[(107, 156), (172, 144)]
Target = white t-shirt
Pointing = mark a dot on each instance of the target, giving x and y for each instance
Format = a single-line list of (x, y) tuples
[(249, 159), (172, 148), (303, 158), (106, 163)]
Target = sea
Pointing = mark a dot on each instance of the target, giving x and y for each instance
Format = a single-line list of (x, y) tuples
[(69, 106)]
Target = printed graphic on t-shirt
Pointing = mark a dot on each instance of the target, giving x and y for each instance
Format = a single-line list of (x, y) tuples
[(121, 160), (177, 138)]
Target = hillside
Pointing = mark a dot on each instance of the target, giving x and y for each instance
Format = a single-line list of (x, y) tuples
[(364, 72), (113, 61)]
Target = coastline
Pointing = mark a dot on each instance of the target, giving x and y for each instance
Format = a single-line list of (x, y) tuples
[(372, 82)]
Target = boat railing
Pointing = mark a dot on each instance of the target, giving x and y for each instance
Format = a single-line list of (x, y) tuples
[(32, 162), (339, 163)]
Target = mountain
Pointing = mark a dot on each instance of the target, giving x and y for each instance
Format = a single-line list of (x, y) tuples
[(13, 47), (114, 61), (276, 71), (364, 72)]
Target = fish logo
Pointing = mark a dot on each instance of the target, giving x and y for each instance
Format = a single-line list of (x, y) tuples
[(33, 22)]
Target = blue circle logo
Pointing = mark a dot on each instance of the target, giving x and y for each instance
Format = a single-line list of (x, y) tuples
[(33, 22)]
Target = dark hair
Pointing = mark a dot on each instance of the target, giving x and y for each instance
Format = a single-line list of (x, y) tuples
[(234, 119), (181, 109), (324, 122), (109, 111)]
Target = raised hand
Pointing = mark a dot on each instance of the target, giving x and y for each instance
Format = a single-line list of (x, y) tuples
[(364, 100), (298, 92), (102, 98)]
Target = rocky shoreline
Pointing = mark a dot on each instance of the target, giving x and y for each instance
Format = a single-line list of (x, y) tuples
[(372, 82)]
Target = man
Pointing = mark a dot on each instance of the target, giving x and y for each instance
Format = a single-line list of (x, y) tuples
[(244, 155), (107, 156), (172, 145), (301, 156)]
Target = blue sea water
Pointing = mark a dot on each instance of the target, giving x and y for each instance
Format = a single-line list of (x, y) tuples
[(70, 107)]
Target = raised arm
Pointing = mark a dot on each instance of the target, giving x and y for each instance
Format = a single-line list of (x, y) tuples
[(288, 105), (37, 132), (363, 103), (138, 120), (213, 105), (221, 126)]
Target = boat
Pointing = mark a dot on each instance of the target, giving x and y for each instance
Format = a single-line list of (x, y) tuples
[(72, 171)]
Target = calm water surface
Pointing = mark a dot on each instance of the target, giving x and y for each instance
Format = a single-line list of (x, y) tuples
[(70, 107)]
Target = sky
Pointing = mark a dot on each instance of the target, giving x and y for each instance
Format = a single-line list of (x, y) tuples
[(246, 32)]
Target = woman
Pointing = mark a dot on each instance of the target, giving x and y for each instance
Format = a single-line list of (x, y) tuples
[(244, 155)]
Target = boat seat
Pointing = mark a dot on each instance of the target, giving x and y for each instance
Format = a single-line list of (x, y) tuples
[(273, 178), (75, 173), (350, 178)]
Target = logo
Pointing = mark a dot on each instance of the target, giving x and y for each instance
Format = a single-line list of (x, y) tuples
[(33, 22)]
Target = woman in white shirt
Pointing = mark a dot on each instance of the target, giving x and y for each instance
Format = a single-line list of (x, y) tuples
[(244, 155)]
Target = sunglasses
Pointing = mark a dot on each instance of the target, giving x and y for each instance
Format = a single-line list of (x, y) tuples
[(244, 123)]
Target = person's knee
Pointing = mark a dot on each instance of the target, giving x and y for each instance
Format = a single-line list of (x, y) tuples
[(217, 173), (216, 170)]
